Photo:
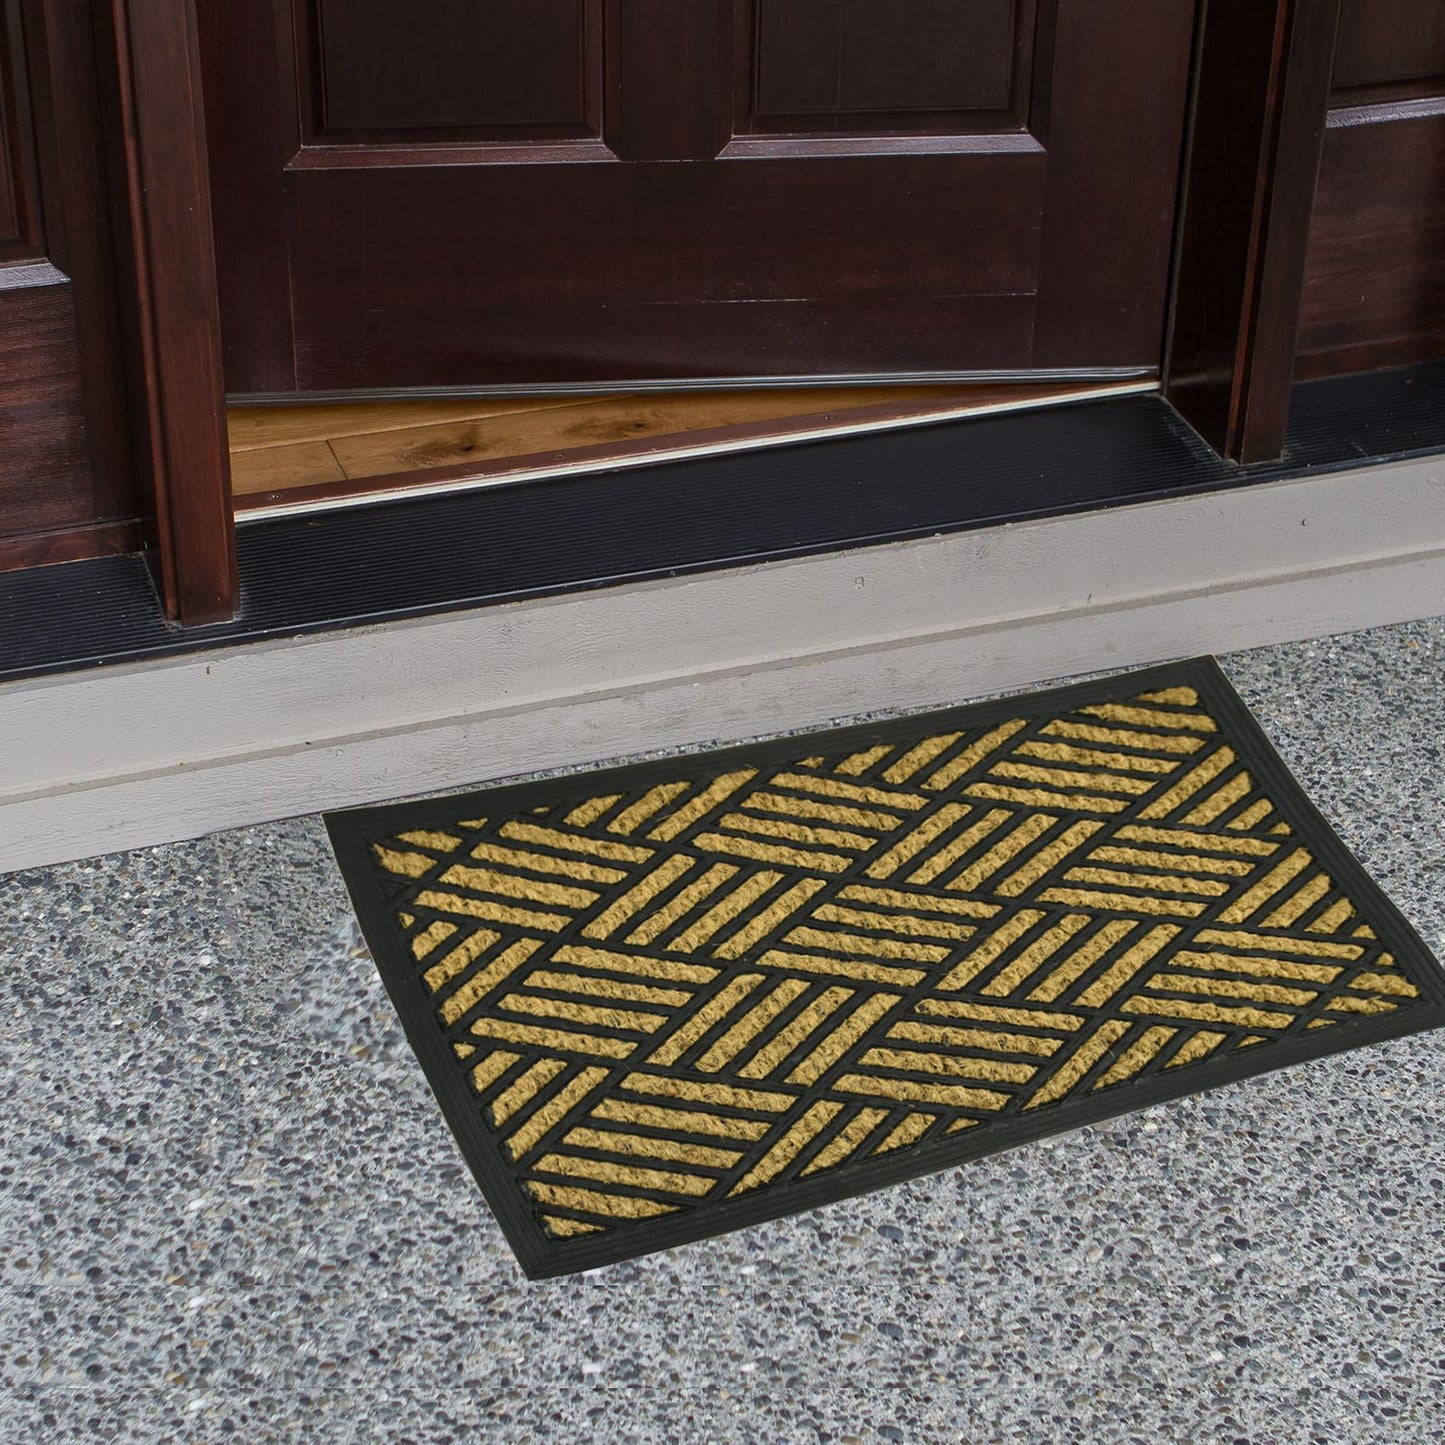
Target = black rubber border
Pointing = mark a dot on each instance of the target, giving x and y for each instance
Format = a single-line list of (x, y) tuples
[(467, 549), (541, 1257)]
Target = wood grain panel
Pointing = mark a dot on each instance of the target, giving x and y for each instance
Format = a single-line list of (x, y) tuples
[(621, 343), (630, 420), (280, 468), (44, 457), (516, 67), (69, 544), (1375, 282), (66, 479), (712, 294), (1114, 135), (973, 220), (249, 71), (1386, 42), (20, 237), (272, 426), (891, 64)]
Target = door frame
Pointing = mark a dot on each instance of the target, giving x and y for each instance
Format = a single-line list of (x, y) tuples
[(152, 89), (1228, 362), (1254, 138)]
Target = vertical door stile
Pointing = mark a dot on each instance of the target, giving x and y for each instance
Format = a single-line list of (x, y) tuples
[(169, 265), (1261, 93)]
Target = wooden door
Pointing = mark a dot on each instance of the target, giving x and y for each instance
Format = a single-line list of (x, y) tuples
[(563, 192)]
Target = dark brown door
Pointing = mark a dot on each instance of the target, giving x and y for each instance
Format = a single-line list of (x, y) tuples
[(533, 192)]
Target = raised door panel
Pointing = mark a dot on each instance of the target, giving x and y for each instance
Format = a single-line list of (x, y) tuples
[(891, 65), (1389, 43), (1375, 280), (502, 70)]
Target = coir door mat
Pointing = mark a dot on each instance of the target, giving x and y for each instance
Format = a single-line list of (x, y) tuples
[(660, 1002)]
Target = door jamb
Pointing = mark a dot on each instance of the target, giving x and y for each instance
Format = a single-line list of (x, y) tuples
[(168, 284), (1247, 192)]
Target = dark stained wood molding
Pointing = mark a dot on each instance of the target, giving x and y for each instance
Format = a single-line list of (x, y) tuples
[(175, 321), (247, 70), (1262, 78), (1375, 282), (69, 544)]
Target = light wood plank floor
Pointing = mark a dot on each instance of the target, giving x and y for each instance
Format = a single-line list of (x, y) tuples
[(298, 454)]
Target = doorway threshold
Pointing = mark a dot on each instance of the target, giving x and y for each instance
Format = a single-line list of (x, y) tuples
[(324, 454), (472, 550)]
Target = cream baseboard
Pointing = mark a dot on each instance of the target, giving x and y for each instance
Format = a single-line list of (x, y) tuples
[(122, 757)]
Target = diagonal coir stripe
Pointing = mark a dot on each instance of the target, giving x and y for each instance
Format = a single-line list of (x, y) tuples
[(665, 1001)]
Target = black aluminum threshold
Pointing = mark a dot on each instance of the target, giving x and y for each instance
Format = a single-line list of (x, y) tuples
[(466, 549)]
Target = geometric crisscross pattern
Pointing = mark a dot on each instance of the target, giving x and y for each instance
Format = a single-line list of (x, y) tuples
[(692, 989)]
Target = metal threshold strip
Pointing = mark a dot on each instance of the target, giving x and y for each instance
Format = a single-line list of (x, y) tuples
[(572, 388)]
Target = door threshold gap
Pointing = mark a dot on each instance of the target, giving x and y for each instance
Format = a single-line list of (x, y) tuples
[(293, 459)]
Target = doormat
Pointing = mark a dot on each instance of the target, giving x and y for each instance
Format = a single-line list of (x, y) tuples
[(664, 1001)]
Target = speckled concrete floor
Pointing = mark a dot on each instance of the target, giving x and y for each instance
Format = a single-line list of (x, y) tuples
[(229, 1209)]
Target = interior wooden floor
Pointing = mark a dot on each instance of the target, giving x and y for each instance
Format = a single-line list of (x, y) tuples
[(298, 455)]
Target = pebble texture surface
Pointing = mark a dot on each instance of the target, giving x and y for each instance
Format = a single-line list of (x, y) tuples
[(229, 1209)]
